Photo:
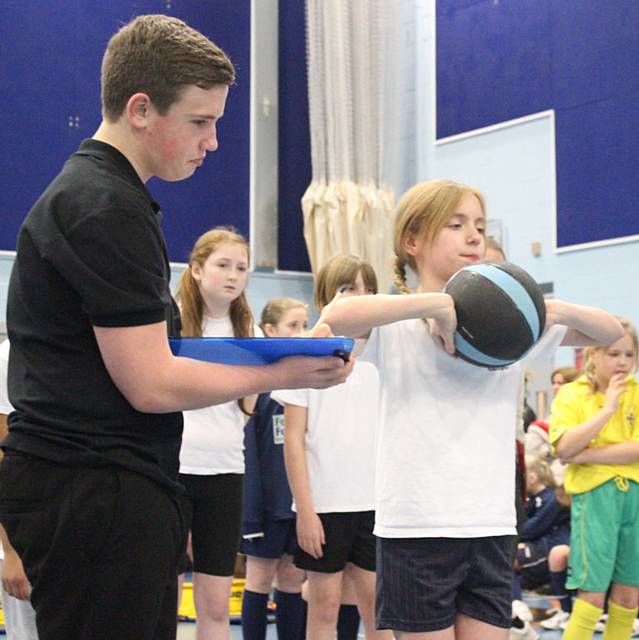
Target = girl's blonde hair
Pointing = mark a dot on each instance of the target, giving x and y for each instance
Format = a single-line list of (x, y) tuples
[(589, 366), (340, 270), (421, 214), (540, 467), (188, 293), (276, 308)]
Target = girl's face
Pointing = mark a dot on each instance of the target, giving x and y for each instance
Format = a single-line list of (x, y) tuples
[(461, 242), (618, 358), (355, 288), (557, 382), (291, 324), (222, 277)]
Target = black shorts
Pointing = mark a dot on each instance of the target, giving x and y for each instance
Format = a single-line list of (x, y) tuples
[(423, 583), (532, 558), (279, 538), (212, 512), (349, 538)]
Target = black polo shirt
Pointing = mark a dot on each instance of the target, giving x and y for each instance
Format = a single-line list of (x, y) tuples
[(90, 253)]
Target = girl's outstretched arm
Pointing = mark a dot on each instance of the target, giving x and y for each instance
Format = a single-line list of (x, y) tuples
[(587, 326), (355, 316)]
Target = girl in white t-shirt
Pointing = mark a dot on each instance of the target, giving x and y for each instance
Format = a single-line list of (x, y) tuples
[(213, 304), (444, 525), (329, 451)]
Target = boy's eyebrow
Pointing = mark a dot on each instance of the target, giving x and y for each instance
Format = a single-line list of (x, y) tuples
[(204, 116)]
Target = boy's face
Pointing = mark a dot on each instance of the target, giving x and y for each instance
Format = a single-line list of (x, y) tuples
[(176, 143)]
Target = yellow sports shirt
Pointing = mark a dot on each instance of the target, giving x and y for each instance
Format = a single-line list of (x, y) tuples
[(575, 403)]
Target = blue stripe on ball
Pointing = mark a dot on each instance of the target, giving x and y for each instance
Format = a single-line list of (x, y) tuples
[(465, 349), (515, 291)]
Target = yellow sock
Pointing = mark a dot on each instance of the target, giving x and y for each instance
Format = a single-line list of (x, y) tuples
[(620, 619), (582, 621)]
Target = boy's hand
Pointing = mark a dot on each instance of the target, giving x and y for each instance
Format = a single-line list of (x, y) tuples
[(312, 372)]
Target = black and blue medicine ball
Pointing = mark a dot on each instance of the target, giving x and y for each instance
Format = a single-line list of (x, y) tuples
[(500, 313)]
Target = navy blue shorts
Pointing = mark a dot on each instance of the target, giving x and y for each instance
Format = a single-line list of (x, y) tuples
[(423, 583), (279, 538), (349, 538)]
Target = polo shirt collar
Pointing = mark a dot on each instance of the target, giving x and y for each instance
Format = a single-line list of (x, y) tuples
[(108, 153)]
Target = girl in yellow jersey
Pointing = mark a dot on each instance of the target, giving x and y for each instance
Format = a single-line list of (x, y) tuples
[(594, 427)]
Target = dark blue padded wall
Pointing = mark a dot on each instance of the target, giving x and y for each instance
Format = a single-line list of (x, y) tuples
[(502, 60), (51, 53), (294, 136)]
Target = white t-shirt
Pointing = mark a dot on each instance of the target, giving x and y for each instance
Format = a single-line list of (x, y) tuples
[(340, 440), (446, 464), (5, 405), (213, 438)]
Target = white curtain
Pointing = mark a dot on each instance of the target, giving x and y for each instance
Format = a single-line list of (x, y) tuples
[(352, 53)]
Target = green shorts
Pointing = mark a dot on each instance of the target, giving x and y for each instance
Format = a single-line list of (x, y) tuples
[(604, 537)]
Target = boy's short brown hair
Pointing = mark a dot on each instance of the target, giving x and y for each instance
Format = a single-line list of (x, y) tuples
[(160, 56)]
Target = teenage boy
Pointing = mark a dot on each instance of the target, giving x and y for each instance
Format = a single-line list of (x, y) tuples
[(88, 484)]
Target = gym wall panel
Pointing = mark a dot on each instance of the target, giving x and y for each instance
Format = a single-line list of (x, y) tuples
[(49, 101), (295, 172)]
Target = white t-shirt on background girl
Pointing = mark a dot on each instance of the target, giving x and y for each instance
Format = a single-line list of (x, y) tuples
[(340, 440), (213, 438)]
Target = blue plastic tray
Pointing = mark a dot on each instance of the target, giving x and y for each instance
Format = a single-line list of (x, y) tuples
[(258, 350)]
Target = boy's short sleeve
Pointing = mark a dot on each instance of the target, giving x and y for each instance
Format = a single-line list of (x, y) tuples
[(115, 261)]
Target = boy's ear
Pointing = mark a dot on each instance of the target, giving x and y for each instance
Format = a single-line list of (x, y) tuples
[(138, 109)]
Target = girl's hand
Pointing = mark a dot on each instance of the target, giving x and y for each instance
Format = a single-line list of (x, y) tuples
[(616, 387), (310, 534)]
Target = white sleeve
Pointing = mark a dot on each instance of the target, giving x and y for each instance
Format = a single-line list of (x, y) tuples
[(298, 397), (371, 348), (5, 405), (547, 345)]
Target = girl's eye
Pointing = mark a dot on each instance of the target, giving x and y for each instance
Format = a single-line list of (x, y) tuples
[(455, 225), (199, 123), (481, 230)]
